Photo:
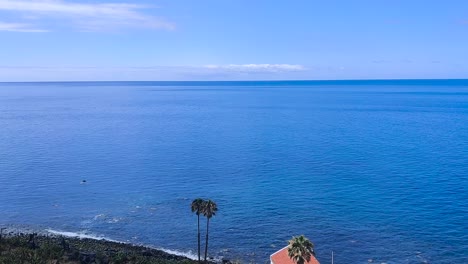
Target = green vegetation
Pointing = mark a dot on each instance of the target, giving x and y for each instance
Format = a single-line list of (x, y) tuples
[(34, 249), (300, 249)]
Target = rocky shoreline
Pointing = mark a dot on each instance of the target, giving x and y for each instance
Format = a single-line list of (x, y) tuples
[(50, 248)]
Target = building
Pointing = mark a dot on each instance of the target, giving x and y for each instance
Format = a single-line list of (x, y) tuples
[(281, 257)]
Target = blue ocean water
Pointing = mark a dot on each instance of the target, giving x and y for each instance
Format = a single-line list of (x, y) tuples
[(375, 171)]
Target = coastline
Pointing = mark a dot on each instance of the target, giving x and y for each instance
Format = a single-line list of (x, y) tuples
[(69, 247)]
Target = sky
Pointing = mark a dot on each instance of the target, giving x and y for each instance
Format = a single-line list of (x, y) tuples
[(152, 40)]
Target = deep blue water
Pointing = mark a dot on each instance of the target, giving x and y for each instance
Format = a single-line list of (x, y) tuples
[(373, 170)]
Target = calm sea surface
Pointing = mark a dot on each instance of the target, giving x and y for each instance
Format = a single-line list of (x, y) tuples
[(376, 171)]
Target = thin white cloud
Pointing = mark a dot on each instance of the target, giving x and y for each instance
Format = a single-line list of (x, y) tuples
[(86, 16), (19, 27), (229, 67), (155, 72), (257, 67)]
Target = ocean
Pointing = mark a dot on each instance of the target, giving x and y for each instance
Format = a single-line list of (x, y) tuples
[(373, 171)]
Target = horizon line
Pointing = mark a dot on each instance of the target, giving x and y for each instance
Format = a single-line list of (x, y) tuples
[(243, 81)]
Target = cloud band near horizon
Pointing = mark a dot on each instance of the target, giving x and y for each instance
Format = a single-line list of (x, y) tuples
[(230, 71)]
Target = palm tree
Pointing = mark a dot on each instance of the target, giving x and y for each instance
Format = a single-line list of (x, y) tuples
[(197, 207), (209, 210), (300, 249)]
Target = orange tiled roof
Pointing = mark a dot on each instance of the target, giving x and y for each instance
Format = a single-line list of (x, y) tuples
[(281, 257)]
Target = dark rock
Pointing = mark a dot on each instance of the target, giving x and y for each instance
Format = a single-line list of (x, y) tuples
[(147, 253), (65, 245), (1, 232), (32, 241), (111, 250), (87, 258), (104, 260), (74, 255)]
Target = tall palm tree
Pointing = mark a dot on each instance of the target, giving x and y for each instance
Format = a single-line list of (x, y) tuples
[(300, 249), (197, 208), (209, 210)]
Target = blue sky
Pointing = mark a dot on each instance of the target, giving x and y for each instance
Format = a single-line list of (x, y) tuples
[(74, 40)]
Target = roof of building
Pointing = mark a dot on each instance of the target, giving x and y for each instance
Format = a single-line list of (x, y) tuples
[(281, 257)]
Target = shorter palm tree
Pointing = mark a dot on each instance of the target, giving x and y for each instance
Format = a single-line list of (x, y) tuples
[(197, 207), (209, 210), (300, 249)]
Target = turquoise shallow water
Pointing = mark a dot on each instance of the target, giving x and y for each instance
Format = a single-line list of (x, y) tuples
[(373, 170)]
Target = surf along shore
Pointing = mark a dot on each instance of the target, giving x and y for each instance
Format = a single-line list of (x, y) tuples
[(24, 247)]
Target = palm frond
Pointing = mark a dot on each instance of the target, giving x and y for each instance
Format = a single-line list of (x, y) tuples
[(209, 208), (197, 205), (300, 249)]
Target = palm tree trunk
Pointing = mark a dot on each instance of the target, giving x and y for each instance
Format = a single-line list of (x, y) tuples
[(199, 239), (206, 244)]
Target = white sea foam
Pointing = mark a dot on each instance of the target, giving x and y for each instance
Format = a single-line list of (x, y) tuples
[(113, 220), (81, 235), (84, 235), (188, 254), (99, 216)]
